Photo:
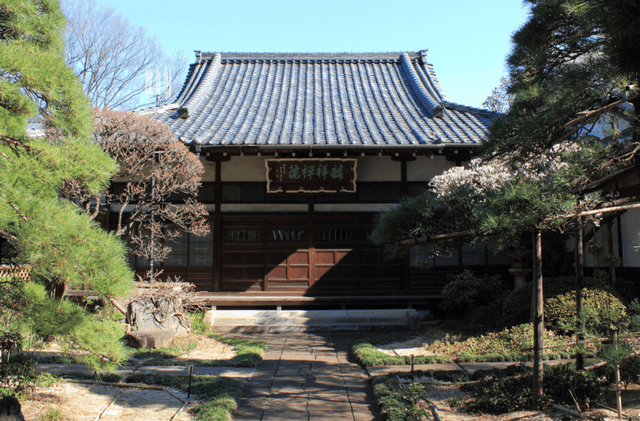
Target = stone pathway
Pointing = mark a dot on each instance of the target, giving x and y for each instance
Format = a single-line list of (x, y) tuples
[(307, 377)]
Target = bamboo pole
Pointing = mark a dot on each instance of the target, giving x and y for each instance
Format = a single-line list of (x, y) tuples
[(605, 210), (612, 263), (128, 385), (579, 285), (429, 238), (538, 321), (618, 391)]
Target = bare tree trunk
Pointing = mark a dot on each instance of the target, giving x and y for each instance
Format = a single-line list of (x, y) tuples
[(538, 320), (579, 285)]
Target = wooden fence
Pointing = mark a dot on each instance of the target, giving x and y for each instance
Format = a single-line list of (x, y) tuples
[(20, 272)]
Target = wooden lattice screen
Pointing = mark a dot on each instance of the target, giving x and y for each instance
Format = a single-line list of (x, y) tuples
[(20, 272)]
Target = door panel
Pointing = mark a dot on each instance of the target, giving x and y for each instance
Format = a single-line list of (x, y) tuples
[(305, 254)]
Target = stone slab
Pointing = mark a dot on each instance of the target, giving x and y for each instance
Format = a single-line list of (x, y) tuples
[(388, 369), (150, 339)]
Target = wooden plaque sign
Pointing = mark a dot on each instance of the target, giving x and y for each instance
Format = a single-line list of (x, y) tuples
[(324, 175)]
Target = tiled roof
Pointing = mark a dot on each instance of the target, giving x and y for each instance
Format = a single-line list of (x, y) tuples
[(340, 99)]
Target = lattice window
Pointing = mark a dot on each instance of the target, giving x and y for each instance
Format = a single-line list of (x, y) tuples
[(21, 272)]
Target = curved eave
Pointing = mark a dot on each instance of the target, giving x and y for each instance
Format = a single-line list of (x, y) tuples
[(367, 101)]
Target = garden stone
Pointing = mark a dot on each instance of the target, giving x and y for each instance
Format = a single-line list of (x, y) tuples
[(150, 339), (149, 314), (10, 409)]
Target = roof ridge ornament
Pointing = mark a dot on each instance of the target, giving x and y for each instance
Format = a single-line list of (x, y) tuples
[(423, 55)]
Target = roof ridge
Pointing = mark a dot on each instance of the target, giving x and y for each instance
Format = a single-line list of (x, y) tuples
[(468, 109), (394, 55), (196, 97), (434, 108)]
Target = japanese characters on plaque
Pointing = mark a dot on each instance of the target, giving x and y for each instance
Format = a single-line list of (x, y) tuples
[(328, 175)]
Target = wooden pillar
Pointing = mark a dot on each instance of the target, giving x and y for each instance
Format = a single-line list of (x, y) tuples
[(579, 236), (217, 192), (404, 186), (405, 283), (538, 319), (217, 252), (217, 228)]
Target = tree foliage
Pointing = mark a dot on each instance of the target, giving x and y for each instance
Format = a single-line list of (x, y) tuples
[(53, 235), (500, 99), (569, 125), (156, 173), (111, 56)]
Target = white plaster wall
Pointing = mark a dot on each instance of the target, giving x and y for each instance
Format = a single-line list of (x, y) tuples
[(605, 124), (369, 168), (425, 168), (244, 168), (353, 207), (264, 207), (377, 168), (209, 169), (630, 237), (590, 259)]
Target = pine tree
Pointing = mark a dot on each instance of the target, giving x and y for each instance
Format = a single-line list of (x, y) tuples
[(52, 235), (574, 74)]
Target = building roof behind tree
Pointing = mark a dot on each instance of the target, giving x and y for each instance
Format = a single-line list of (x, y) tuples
[(377, 100)]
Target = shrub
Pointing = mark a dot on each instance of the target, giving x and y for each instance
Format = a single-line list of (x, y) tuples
[(467, 290), (516, 308), (496, 394), (563, 383), (602, 311), (629, 371)]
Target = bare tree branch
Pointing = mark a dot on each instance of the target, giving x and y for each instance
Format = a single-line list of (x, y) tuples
[(111, 56)]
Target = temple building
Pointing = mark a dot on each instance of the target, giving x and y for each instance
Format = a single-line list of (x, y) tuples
[(301, 151)]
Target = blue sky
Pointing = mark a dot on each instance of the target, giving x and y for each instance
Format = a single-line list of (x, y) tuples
[(468, 40)]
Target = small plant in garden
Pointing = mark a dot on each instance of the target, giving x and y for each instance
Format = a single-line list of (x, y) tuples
[(198, 325), (397, 403), (218, 395), (248, 353), (51, 414), (366, 353)]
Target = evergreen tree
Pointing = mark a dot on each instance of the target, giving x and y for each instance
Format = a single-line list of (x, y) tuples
[(52, 235), (574, 73), (572, 77)]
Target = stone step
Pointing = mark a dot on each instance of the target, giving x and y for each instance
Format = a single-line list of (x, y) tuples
[(307, 320)]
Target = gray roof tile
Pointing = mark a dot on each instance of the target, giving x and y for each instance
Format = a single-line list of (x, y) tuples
[(324, 99)]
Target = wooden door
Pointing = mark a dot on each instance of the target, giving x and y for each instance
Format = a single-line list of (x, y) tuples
[(243, 255), (288, 255)]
